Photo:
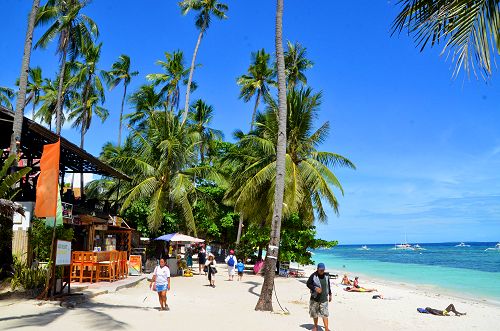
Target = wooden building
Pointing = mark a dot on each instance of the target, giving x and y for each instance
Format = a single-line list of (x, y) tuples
[(73, 160)]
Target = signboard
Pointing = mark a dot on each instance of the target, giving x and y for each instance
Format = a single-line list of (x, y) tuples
[(67, 210), (134, 265), (63, 253)]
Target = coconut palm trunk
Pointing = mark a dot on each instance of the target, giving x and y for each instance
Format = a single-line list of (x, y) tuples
[(240, 228), (191, 71), (23, 80), (255, 109), (121, 116), (60, 90), (265, 299)]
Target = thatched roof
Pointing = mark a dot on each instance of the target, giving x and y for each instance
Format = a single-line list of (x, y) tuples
[(7, 208)]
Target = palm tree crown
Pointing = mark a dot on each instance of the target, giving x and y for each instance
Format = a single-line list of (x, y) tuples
[(257, 80), (468, 30), (296, 63), (309, 182)]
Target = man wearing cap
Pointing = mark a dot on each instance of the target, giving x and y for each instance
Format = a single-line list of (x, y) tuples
[(231, 264), (321, 294)]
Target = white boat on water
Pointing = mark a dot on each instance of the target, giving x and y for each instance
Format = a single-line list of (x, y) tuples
[(462, 245), (363, 248), (496, 248), (417, 247), (404, 246)]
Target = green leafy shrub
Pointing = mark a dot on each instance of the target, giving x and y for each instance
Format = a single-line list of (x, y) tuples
[(27, 278), (41, 238)]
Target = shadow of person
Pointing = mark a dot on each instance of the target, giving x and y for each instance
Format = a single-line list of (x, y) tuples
[(310, 326)]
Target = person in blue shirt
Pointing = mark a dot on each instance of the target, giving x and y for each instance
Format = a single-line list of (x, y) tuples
[(240, 267)]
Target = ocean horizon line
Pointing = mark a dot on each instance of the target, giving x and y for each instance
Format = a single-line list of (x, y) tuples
[(422, 242)]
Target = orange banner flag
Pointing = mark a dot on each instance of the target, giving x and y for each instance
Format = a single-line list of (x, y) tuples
[(48, 181)]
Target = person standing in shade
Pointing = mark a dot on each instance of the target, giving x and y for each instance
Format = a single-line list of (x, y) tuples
[(321, 294), (231, 264), (161, 281), (202, 259)]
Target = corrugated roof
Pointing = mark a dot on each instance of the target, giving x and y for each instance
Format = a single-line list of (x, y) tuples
[(73, 158)]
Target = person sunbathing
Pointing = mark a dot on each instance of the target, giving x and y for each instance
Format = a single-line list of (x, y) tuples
[(437, 312), (359, 289), (345, 280)]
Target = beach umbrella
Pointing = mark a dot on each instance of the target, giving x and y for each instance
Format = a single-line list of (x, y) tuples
[(179, 237)]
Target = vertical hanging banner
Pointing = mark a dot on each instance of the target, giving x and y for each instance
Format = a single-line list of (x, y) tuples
[(47, 188)]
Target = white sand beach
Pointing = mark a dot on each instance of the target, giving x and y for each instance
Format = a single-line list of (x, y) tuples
[(230, 306)]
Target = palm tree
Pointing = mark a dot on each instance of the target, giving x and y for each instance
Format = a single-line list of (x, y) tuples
[(17, 126), (308, 180), (265, 299), (145, 101), (174, 73), (296, 63), (161, 168), (87, 78), (258, 79), (6, 95), (120, 72), (34, 88), (73, 29), (200, 117), (467, 29), (206, 9)]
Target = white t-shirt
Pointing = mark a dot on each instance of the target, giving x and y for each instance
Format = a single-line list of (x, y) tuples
[(162, 275)]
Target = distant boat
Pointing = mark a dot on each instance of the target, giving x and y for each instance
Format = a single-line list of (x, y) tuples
[(418, 248), (496, 248), (462, 245), (404, 246), (363, 248)]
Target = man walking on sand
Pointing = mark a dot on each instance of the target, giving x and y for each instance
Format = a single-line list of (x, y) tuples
[(321, 294)]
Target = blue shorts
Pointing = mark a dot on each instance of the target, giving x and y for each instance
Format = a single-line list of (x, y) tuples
[(161, 288)]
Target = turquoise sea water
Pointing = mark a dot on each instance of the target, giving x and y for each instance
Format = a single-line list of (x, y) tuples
[(466, 271)]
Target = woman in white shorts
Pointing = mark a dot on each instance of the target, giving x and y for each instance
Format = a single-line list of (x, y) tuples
[(161, 281)]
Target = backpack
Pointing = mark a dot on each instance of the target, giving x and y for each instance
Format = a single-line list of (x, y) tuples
[(230, 262)]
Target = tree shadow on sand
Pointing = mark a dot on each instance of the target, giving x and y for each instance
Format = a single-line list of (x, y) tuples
[(91, 312), (253, 287)]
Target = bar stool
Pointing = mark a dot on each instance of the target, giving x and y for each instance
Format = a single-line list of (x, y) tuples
[(104, 267), (125, 263), (76, 266), (88, 265), (114, 257)]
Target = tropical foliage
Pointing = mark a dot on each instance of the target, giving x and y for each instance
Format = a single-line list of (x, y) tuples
[(467, 30), (185, 177)]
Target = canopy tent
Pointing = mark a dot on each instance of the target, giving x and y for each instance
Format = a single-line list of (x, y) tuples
[(179, 237)]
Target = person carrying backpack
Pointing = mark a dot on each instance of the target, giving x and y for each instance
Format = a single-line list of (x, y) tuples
[(231, 262)]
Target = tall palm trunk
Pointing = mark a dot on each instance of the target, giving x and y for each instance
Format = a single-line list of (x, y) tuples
[(240, 228), (255, 109), (84, 129), (265, 300), (191, 71), (121, 116), (60, 90), (23, 80), (33, 109)]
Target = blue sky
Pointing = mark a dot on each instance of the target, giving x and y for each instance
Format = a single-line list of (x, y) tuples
[(427, 147)]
